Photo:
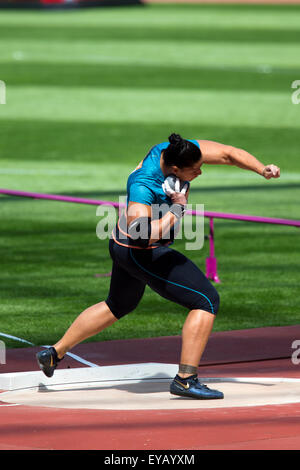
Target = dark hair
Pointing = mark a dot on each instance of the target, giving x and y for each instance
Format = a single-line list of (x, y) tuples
[(181, 152)]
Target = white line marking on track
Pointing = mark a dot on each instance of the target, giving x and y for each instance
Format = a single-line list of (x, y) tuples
[(74, 356), (10, 404)]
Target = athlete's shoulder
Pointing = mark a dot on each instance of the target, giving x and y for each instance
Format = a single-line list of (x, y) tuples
[(194, 141), (157, 148)]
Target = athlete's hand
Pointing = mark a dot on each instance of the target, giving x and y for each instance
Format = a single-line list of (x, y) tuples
[(271, 171), (179, 198), (176, 189)]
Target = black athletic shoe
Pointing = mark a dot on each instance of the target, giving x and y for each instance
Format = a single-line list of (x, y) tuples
[(191, 387), (47, 361)]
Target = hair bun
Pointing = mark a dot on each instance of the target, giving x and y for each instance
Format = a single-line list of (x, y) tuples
[(181, 152), (175, 139)]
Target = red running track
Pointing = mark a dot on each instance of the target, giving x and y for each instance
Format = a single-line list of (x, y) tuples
[(264, 352)]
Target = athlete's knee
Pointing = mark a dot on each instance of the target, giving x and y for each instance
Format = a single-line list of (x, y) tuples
[(208, 301), (119, 311), (215, 300)]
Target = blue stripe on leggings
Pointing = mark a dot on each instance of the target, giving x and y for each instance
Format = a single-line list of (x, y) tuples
[(170, 282)]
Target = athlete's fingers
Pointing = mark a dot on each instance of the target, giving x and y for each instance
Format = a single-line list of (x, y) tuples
[(172, 185), (185, 187), (167, 188), (271, 171), (275, 171), (177, 185), (179, 198)]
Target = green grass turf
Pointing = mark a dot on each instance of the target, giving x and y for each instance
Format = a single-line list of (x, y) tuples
[(88, 93)]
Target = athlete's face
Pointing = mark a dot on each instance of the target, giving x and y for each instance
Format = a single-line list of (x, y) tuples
[(188, 173)]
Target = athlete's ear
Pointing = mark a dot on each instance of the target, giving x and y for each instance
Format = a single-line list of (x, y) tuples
[(174, 170)]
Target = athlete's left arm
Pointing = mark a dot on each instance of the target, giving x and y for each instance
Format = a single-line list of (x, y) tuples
[(219, 154)]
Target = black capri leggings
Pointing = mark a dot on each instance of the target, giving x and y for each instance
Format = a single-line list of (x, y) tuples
[(166, 271)]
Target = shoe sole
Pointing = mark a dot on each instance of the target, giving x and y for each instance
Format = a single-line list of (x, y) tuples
[(197, 397)]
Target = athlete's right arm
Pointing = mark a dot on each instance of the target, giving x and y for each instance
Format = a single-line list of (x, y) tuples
[(157, 228)]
